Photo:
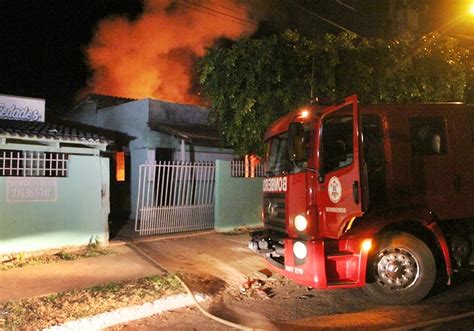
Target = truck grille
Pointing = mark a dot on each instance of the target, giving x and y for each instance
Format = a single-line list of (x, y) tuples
[(274, 212)]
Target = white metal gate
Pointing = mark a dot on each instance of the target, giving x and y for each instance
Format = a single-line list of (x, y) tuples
[(175, 197)]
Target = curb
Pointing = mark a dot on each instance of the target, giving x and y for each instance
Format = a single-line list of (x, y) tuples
[(129, 314), (123, 240)]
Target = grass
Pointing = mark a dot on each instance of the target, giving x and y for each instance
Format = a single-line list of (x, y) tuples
[(19, 260), (58, 308)]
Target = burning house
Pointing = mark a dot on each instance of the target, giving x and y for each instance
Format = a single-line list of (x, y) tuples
[(161, 131), (145, 59)]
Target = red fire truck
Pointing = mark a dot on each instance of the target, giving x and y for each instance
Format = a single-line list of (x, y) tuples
[(378, 196)]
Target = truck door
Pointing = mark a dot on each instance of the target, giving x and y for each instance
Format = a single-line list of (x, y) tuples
[(339, 194)]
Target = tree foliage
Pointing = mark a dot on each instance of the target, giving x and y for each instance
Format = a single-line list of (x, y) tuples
[(253, 82)]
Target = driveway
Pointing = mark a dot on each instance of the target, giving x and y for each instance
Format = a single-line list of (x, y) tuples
[(216, 255)]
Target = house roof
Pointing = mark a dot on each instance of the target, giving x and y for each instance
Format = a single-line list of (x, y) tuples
[(113, 137), (104, 101), (188, 122), (48, 131), (201, 135)]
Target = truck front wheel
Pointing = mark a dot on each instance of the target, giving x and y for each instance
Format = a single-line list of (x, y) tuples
[(402, 271)]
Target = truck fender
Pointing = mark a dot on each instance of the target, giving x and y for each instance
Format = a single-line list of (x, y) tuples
[(372, 224)]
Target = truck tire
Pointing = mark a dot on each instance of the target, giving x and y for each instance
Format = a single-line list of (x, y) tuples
[(401, 271)]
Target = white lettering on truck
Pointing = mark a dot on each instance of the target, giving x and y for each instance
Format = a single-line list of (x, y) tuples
[(277, 184)]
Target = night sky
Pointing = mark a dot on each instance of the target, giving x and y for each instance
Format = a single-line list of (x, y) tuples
[(41, 45), (43, 41)]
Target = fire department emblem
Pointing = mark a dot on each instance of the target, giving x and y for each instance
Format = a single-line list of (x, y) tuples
[(334, 189)]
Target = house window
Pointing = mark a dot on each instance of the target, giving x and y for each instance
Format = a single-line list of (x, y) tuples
[(428, 135), (32, 164)]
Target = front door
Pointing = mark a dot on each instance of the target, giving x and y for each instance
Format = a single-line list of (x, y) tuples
[(339, 197)]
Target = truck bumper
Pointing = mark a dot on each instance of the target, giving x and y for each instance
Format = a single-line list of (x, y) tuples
[(315, 263)]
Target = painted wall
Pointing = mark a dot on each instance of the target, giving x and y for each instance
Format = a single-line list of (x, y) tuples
[(238, 201), (130, 117), (177, 114), (77, 216)]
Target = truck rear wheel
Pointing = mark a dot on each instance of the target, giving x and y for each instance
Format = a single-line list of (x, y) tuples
[(402, 271)]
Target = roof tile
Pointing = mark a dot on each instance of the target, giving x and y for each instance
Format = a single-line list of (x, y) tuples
[(48, 131)]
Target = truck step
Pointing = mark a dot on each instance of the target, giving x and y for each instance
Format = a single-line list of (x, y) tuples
[(342, 255), (343, 283)]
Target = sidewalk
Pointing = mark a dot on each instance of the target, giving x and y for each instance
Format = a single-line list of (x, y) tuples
[(124, 264)]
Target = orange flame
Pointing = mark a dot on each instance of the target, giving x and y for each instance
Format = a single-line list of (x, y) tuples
[(155, 55)]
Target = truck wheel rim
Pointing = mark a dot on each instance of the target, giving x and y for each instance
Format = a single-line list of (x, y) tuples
[(396, 269)]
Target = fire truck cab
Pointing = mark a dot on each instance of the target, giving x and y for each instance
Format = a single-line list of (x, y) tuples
[(379, 196)]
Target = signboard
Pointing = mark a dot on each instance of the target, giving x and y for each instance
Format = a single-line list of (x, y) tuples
[(29, 189), (21, 108)]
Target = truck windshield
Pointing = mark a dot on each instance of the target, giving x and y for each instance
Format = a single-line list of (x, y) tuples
[(277, 161)]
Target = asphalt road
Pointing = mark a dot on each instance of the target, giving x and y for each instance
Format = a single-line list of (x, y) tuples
[(219, 264)]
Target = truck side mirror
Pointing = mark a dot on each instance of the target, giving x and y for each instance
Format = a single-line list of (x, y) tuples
[(296, 142)]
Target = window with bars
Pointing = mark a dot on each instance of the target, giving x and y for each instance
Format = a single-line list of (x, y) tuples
[(32, 164), (246, 168)]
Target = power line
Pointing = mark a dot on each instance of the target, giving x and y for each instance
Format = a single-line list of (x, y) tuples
[(224, 7), (323, 18), (221, 13), (340, 2), (211, 14)]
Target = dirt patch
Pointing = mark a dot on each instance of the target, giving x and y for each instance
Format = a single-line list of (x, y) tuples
[(58, 308), (230, 303), (223, 256), (204, 283)]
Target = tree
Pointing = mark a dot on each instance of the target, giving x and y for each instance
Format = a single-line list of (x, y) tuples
[(253, 82)]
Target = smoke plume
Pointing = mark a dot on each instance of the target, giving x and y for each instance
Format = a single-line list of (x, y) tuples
[(155, 55)]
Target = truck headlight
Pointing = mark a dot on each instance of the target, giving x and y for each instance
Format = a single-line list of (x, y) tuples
[(300, 223), (299, 249)]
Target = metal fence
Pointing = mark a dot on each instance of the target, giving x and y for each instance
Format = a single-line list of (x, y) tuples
[(175, 197), (33, 164), (244, 168)]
